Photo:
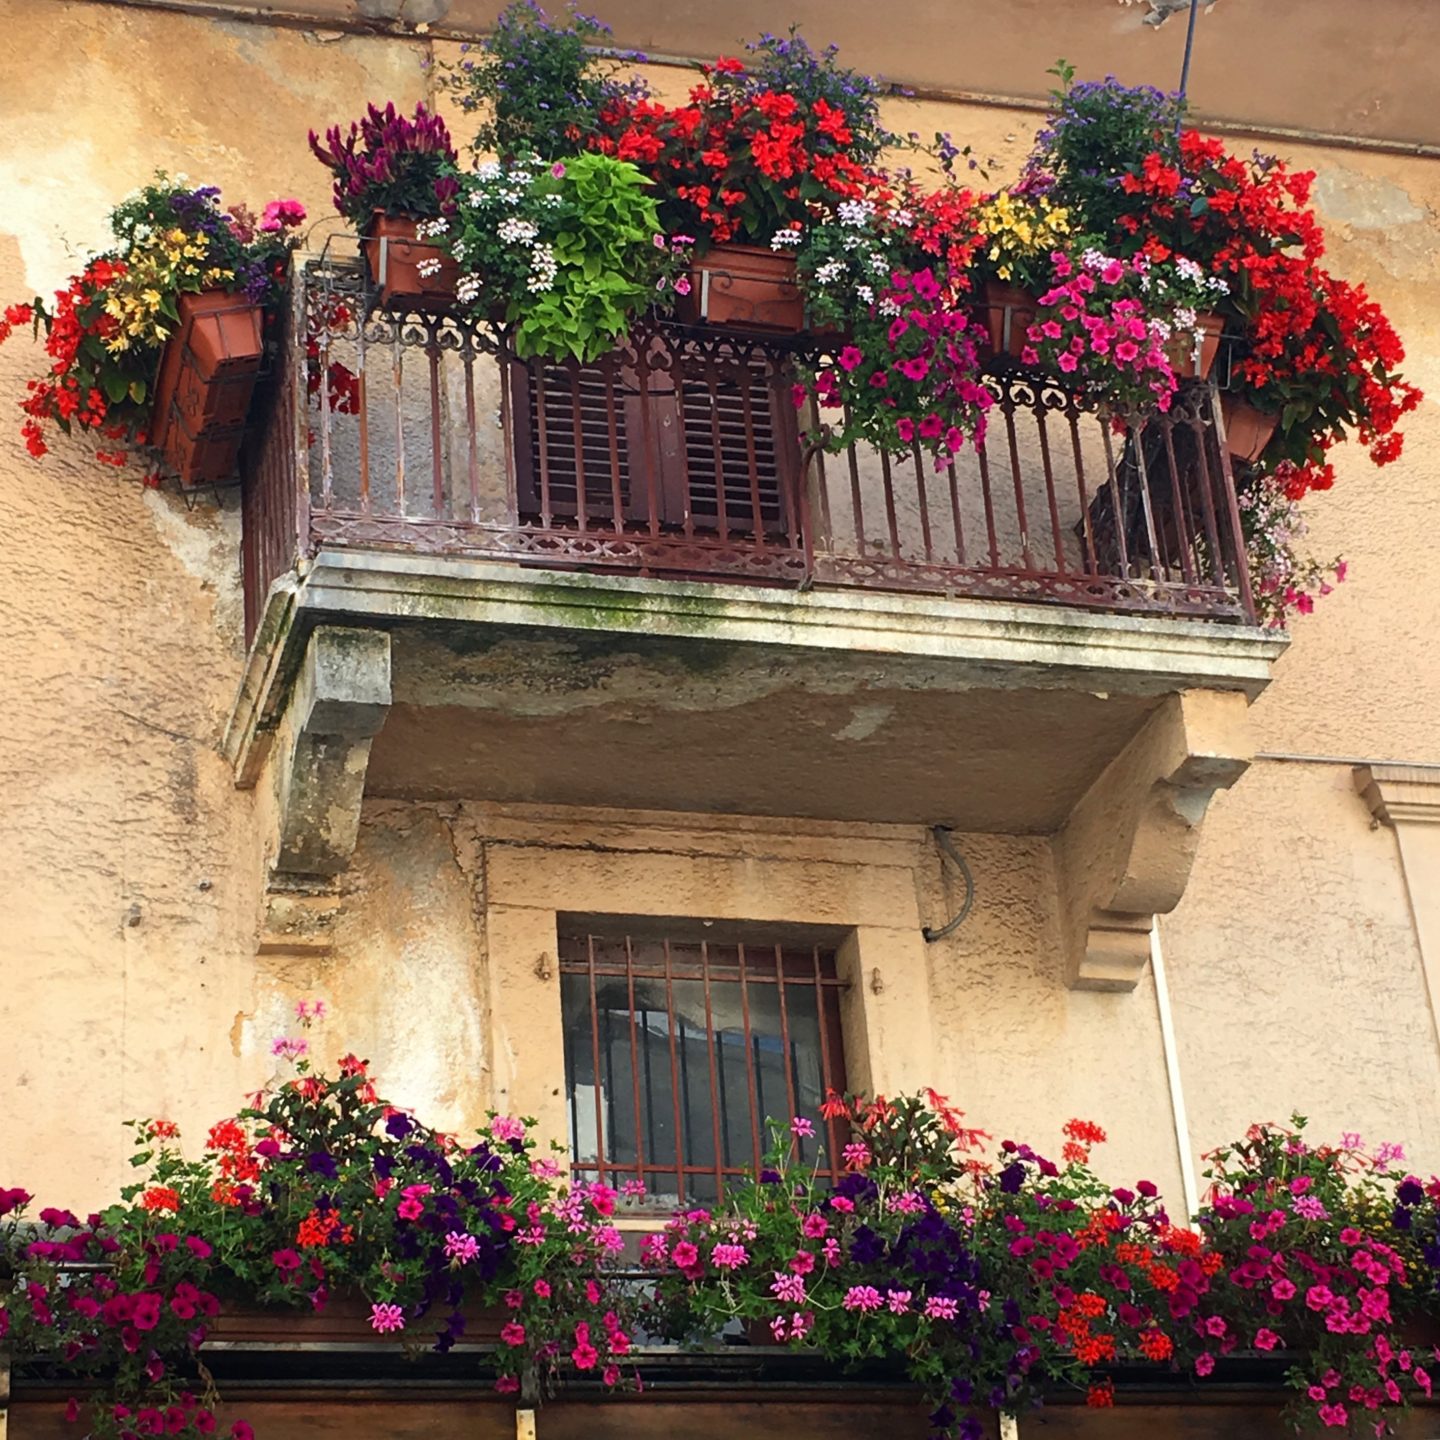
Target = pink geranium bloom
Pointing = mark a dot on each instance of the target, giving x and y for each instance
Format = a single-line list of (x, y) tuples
[(384, 1318)]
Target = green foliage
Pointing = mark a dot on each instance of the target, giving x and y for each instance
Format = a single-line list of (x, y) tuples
[(569, 251)]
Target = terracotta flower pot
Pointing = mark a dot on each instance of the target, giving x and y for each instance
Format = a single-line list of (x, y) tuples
[(404, 268), (1247, 430), (1009, 312), (205, 384), (1191, 361), (744, 287)]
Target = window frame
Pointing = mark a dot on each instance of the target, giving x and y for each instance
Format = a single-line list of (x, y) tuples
[(778, 957)]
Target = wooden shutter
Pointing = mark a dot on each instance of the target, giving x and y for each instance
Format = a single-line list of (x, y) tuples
[(737, 444), (550, 400), (673, 428)]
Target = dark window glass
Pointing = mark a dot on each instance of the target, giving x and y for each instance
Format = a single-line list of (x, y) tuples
[(678, 1052)]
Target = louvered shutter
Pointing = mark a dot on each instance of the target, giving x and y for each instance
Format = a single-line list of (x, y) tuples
[(571, 425), (738, 446), (678, 429)]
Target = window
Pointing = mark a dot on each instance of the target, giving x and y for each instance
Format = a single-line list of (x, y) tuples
[(702, 434), (677, 1050)]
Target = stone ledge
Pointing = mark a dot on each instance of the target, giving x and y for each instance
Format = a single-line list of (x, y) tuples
[(991, 643)]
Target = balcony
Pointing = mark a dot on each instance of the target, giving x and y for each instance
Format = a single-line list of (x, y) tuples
[(633, 585), (680, 455)]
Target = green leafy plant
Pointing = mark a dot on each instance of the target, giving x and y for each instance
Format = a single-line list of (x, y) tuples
[(569, 251)]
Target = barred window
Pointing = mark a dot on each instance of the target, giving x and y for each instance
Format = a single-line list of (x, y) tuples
[(677, 1051)]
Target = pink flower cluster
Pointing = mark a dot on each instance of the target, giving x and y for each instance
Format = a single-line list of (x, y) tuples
[(1087, 325), (918, 357)]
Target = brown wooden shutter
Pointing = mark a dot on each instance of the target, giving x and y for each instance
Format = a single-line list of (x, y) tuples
[(738, 443), (676, 429), (550, 400)]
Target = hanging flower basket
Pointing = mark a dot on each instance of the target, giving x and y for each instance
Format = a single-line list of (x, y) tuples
[(408, 272), (744, 287), (1009, 312), (205, 383), (1192, 359), (1247, 430)]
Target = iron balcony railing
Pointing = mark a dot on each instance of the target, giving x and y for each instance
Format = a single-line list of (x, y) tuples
[(681, 454)]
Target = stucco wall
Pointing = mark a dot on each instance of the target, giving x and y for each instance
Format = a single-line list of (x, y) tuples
[(131, 983)]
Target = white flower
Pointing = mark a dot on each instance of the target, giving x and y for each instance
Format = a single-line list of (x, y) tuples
[(889, 307), (514, 231), (781, 238), (1189, 269), (865, 293), (880, 265), (428, 269), (467, 289), (830, 271), (490, 170), (542, 270), (429, 229), (856, 213)]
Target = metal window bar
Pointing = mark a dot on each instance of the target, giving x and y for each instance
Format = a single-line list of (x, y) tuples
[(678, 1052)]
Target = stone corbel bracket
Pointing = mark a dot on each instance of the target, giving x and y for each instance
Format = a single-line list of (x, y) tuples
[(318, 764), (1124, 855)]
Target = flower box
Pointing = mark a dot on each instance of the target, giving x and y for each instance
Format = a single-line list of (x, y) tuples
[(205, 383), (744, 287), (408, 272), (344, 1322), (1247, 430), (1192, 360), (1009, 312)]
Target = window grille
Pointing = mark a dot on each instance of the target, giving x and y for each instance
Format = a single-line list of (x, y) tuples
[(678, 1051)]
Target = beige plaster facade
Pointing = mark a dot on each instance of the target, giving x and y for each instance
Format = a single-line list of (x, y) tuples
[(149, 952)]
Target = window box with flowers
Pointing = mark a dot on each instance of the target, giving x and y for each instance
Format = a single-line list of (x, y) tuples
[(759, 150), (391, 175), (159, 341), (877, 1231)]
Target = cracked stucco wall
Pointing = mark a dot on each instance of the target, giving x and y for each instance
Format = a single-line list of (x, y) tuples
[(129, 980)]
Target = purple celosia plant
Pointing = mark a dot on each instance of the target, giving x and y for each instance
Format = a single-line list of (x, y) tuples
[(388, 161)]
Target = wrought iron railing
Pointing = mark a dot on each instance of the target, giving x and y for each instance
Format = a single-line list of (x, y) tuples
[(681, 454)]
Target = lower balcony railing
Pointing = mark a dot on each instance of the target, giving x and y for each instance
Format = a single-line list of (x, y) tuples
[(681, 454)]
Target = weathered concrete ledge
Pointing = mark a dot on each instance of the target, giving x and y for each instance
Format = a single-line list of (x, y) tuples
[(989, 643)]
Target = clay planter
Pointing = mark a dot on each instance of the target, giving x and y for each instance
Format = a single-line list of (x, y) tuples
[(1247, 430), (345, 1321), (1009, 312), (744, 287), (395, 258), (1193, 362), (205, 384)]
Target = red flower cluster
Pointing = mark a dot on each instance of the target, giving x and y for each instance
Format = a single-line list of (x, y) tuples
[(1321, 354), (735, 162), (69, 395)]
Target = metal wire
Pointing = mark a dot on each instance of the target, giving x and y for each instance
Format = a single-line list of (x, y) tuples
[(946, 847)]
